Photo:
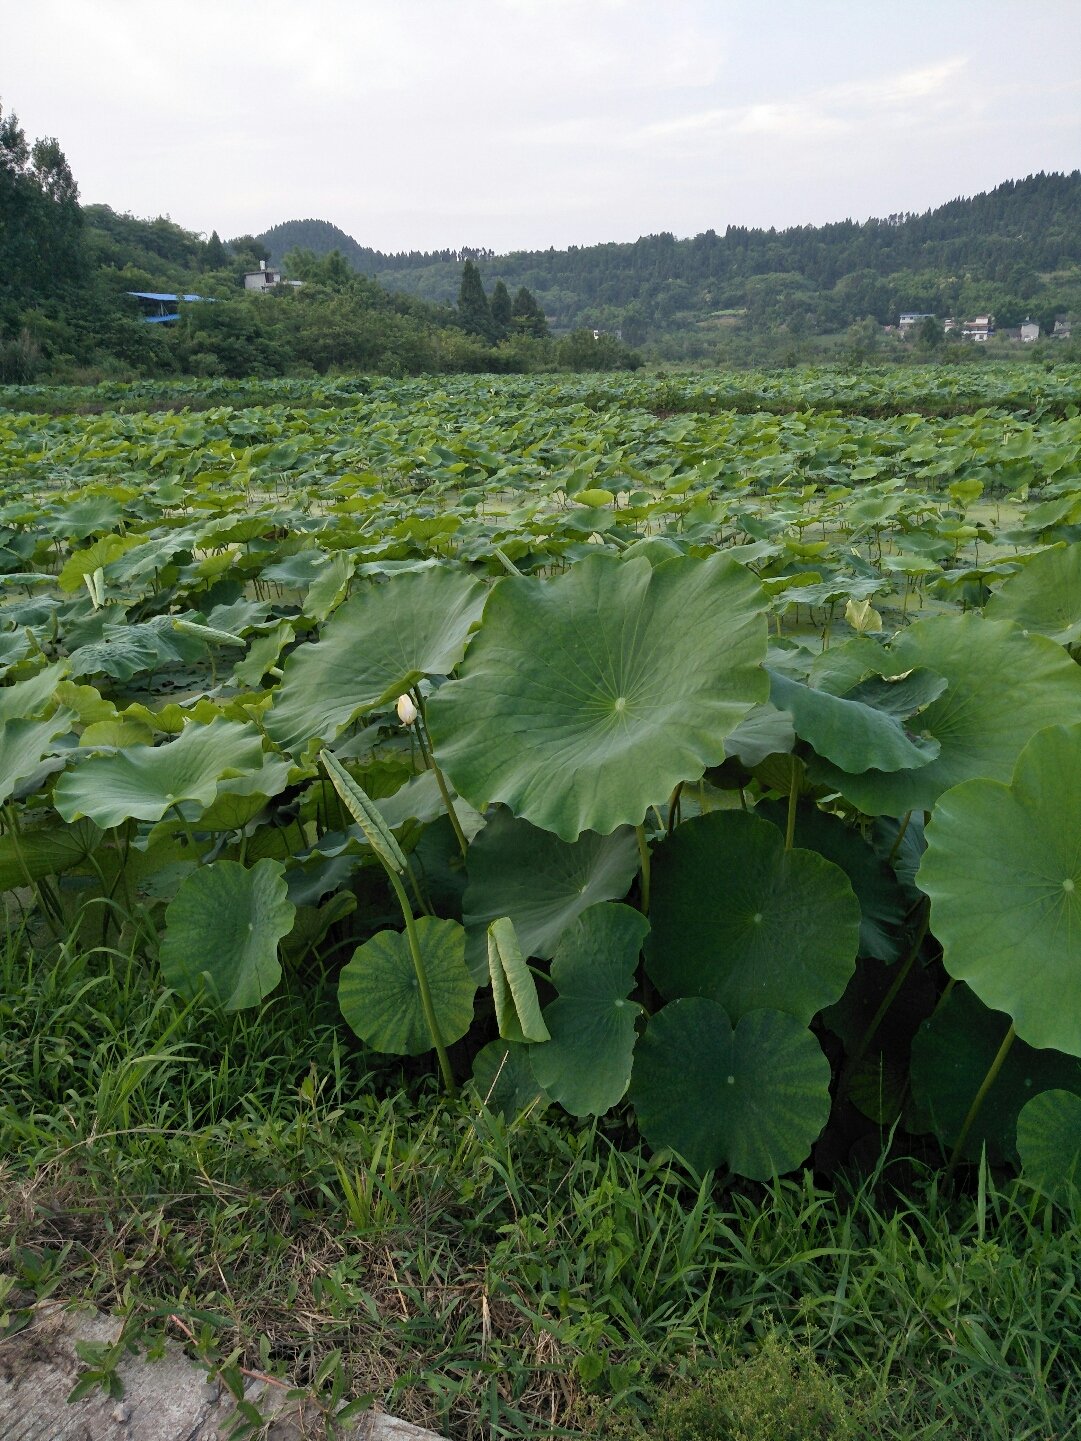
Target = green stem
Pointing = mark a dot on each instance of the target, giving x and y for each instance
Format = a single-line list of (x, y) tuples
[(673, 808), (422, 982), (899, 838), (887, 1001), (426, 751), (793, 801), (52, 918), (189, 830), (978, 1099), (643, 853)]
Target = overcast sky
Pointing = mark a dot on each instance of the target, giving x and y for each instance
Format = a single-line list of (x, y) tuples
[(519, 124)]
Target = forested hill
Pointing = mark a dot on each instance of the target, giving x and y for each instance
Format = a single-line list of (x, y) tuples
[(1012, 250)]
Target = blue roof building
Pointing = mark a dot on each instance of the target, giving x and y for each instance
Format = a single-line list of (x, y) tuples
[(159, 306)]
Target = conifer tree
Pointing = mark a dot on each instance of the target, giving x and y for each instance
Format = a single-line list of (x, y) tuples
[(473, 307), (527, 315), (500, 306)]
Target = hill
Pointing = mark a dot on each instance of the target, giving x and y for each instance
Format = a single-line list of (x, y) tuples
[(1013, 250)]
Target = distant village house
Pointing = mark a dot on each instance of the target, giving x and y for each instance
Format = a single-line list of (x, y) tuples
[(911, 318), (265, 278), (1030, 331), (979, 329)]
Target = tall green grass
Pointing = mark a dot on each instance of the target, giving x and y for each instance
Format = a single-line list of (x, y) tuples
[(327, 1218)]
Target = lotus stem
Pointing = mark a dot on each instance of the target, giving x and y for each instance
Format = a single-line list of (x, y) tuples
[(902, 828), (425, 739), (50, 906), (978, 1100), (887, 1001), (793, 801), (643, 853), (674, 808), (422, 982)]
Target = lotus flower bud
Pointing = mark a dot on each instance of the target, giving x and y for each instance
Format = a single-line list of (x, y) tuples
[(407, 711)]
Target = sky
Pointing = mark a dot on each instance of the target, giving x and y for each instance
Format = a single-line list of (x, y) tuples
[(524, 124)]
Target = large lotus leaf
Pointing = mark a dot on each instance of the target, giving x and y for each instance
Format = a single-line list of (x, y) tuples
[(45, 851), (851, 733), (144, 782), (28, 698), (883, 905), (380, 997), (540, 882), (262, 654), (764, 731), (1049, 1143), (374, 647), (125, 650), (952, 1052), (222, 930), (754, 1099), (23, 745), (586, 1066), (14, 645), (586, 698), (1003, 687), (1003, 870), (1045, 596), (737, 918)]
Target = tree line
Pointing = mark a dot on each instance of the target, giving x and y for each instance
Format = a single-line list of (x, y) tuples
[(1014, 251), (66, 311)]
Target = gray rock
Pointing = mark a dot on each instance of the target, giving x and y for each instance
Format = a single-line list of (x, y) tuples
[(164, 1400)]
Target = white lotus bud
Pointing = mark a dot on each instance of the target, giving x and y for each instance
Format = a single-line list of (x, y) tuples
[(407, 711)]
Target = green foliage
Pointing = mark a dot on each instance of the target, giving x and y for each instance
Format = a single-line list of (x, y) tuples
[(565, 839), (779, 1393), (473, 308), (580, 676), (222, 929)]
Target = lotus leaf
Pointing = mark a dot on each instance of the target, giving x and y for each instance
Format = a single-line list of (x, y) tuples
[(542, 883), (586, 698), (883, 905), (514, 991), (23, 745), (586, 1066), (1003, 870), (1045, 596), (737, 918), (1003, 687), (854, 734), (376, 645), (951, 1054), (1049, 1143), (754, 1098), (45, 851), (504, 1082), (222, 930), (144, 782), (380, 996), (28, 698)]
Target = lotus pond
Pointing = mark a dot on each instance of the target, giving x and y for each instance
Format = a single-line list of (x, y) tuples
[(700, 750)]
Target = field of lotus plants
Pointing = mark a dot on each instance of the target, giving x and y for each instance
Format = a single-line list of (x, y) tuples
[(699, 749)]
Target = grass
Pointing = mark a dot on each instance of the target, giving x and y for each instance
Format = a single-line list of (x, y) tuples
[(306, 1210)]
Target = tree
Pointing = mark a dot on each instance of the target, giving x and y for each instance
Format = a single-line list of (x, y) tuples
[(473, 308), (527, 316), (216, 256), (500, 306), (40, 220), (930, 335)]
